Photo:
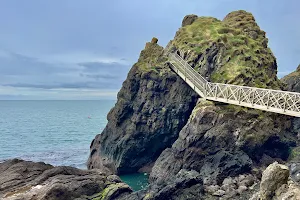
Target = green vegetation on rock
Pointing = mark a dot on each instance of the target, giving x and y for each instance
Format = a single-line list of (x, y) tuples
[(151, 58), (243, 57)]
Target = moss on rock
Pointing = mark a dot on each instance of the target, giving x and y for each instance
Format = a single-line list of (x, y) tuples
[(152, 58), (233, 50), (111, 191)]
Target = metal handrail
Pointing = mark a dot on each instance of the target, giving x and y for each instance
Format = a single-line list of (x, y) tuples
[(278, 101)]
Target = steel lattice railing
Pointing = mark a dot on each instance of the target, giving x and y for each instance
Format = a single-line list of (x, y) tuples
[(283, 102)]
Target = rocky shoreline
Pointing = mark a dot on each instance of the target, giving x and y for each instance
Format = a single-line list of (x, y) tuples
[(193, 149)]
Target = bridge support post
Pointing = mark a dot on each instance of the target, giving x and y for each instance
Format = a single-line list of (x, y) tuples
[(284, 105), (239, 95)]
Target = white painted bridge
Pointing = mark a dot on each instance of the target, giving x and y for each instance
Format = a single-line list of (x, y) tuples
[(277, 101)]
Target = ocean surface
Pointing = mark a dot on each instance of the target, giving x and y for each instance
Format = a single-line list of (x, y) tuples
[(54, 132)]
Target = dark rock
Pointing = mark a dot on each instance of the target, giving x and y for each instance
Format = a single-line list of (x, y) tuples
[(218, 145), (188, 20), (186, 185), (292, 80), (295, 172), (152, 108), (28, 180)]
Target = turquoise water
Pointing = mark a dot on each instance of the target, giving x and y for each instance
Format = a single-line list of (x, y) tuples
[(54, 132), (136, 181)]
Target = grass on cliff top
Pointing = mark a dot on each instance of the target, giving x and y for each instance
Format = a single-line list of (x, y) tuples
[(151, 59), (243, 57)]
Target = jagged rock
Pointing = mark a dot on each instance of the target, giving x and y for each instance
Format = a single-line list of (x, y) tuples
[(154, 40), (290, 191), (24, 180), (276, 186), (219, 193), (295, 172), (272, 179), (292, 80), (217, 144), (152, 107), (212, 188), (241, 189), (188, 20), (155, 118), (186, 185), (245, 21)]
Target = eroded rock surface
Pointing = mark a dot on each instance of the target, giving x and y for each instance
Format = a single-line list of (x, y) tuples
[(276, 184), (24, 180), (153, 106), (156, 119), (220, 144)]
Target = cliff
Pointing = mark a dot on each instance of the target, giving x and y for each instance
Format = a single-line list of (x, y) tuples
[(193, 147), (292, 80), (152, 107)]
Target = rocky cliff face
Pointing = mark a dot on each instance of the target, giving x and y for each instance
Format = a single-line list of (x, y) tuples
[(156, 118), (219, 141), (292, 80), (153, 106)]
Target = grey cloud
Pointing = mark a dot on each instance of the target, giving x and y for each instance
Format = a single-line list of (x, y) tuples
[(17, 70), (99, 76), (76, 85), (17, 64), (99, 66)]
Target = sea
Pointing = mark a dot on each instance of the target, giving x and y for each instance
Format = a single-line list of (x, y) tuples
[(55, 132)]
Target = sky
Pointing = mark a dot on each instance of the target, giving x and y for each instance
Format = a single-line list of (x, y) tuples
[(83, 49)]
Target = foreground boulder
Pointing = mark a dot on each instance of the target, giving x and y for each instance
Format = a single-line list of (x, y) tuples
[(277, 185), (272, 179), (23, 180)]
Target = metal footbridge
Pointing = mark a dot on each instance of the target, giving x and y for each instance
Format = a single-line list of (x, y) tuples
[(277, 101)]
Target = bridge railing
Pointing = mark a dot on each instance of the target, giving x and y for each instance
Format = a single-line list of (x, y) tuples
[(189, 72), (278, 101)]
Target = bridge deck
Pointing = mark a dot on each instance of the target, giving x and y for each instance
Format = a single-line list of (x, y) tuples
[(283, 102)]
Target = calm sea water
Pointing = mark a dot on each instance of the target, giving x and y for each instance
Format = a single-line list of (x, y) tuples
[(54, 132)]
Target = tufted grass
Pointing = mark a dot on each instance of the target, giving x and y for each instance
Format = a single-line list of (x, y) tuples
[(243, 58)]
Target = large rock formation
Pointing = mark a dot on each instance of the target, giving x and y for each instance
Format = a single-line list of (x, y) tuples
[(220, 141), (156, 118), (153, 106), (292, 82), (23, 180)]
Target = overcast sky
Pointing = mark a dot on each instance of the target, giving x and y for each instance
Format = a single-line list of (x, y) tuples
[(83, 49)]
